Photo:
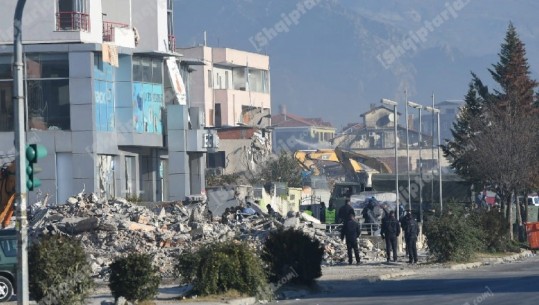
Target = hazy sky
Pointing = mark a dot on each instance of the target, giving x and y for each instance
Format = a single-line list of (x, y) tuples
[(333, 58)]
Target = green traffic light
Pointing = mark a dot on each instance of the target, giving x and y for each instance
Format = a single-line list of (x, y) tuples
[(33, 153), (30, 153)]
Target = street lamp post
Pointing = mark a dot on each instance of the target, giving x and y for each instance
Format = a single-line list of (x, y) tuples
[(20, 145), (419, 107), (395, 121), (432, 154), (408, 152), (437, 111)]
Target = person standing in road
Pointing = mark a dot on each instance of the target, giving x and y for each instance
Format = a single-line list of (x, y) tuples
[(411, 233), (322, 213), (404, 222), (351, 231), (345, 211), (390, 231), (330, 213)]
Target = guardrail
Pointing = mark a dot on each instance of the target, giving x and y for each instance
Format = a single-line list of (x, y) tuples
[(108, 29), (365, 228), (72, 21)]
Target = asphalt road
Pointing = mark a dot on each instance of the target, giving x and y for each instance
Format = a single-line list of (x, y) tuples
[(511, 283)]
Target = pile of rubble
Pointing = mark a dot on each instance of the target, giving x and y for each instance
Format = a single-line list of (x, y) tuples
[(108, 229)]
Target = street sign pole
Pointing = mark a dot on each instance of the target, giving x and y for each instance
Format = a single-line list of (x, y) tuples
[(20, 145)]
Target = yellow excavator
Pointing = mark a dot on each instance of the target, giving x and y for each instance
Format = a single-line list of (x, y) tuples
[(355, 165), (7, 193)]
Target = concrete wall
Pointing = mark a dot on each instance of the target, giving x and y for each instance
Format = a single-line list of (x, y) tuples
[(201, 94), (240, 58), (150, 19)]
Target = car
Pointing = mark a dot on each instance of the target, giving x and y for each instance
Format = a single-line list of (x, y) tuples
[(533, 200), (8, 263)]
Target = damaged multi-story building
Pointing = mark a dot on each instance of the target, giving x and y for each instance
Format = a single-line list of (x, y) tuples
[(105, 95), (233, 88)]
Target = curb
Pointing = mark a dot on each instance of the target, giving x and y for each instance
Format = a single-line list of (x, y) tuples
[(244, 301), (493, 261), (387, 276)]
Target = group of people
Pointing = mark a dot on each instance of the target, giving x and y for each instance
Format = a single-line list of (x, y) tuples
[(391, 229)]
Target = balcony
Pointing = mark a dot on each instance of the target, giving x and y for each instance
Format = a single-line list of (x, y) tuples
[(72, 21), (109, 29)]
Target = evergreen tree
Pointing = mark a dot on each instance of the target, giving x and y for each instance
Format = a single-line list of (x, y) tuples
[(512, 73), (495, 140), (463, 130)]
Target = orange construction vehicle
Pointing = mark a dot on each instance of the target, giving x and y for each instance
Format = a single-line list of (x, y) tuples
[(7, 193)]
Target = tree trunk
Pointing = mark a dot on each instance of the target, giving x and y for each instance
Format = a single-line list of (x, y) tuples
[(518, 219), (509, 220)]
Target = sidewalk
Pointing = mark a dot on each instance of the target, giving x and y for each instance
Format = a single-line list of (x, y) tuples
[(369, 272)]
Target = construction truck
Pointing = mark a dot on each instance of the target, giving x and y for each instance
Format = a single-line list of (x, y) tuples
[(358, 170), (7, 193)]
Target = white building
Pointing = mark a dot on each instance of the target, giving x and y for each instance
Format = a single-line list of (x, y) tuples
[(106, 99), (233, 86)]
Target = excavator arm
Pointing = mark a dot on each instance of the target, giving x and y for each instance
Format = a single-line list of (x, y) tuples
[(7, 193), (7, 211)]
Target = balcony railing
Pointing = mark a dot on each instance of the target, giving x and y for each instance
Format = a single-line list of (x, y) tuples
[(108, 29), (72, 21), (172, 42)]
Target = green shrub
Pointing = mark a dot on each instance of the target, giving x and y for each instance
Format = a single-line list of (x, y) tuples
[(291, 252), (59, 271), (493, 228), (218, 268), (134, 277), (453, 237)]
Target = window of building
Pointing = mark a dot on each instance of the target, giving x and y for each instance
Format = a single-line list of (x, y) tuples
[(148, 94), (5, 67), (157, 72), (48, 104), (104, 94), (6, 106), (216, 160), (72, 15), (226, 80), (147, 70), (258, 80), (239, 78), (48, 91), (210, 79), (218, 120)]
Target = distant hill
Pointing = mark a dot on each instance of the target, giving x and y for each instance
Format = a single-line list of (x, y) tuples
[(334, 59)]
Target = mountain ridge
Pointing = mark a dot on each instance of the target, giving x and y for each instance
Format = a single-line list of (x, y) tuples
[(327, 60)]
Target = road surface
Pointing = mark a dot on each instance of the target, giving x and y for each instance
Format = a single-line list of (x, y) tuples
[(511, 283)]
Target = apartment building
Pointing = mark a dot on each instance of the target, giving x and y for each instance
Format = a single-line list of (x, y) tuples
[(233, 88), (105, 96)]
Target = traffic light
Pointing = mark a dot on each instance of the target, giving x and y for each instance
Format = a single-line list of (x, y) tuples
[(34, 152)]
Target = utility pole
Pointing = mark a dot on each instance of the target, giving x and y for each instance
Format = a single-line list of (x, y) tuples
[(20, 145)]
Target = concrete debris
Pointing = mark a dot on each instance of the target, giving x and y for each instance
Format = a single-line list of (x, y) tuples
[(108, 229)]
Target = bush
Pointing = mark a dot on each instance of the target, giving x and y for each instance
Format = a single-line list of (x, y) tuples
[(134, 277), (453, 237), (291, 252), (493, 228), (218, 268), (59, 271)]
